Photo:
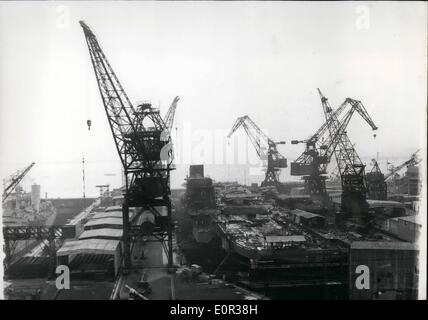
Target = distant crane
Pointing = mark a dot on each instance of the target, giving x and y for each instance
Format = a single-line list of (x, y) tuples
[(145, 152), (351, 168), (313, 162), (169, 118), (376, 185), (414, 160), (12, 181), (377, 181), (265, 148)]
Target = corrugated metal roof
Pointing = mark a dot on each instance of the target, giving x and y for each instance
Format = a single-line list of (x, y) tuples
[(102, 233), (110, 214), (112, 221), (88, 246), (383, 245)]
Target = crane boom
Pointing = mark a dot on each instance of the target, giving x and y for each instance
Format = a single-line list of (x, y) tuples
[(11, 182), (265, 148), (169, 118), (351, 168), (143, 147), (118, 107), (313, 162), (411, 162)]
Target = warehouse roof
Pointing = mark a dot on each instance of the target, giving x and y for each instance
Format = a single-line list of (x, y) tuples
[(102, 233), (295, 238), (111, 221), (305, 214), (114, 208), (383, 245), (416, 219), (110, 214), (385, 204), (88, 246)]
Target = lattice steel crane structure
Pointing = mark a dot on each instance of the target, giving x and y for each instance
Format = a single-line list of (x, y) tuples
[(169, 117), (319, 148), (10, 183), (145, 150), (376, 184), (377, 181), (351, 168), (265, 148)]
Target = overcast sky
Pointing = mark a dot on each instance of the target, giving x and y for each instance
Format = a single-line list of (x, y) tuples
[(223, 59)]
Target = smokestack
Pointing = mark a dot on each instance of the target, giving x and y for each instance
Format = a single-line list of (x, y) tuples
[(35, 197)]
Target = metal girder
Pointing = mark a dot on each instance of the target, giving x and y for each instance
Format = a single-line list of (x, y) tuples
[(39, 233), (17, 233)]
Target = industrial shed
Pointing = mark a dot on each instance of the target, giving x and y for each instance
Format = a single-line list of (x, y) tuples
[(393, 270), (306, 218), (91, 256)]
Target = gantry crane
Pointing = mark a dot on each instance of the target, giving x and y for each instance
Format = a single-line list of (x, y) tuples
[(351, 168), (11, 182), (265, 148), (145, 152), (319, 148)]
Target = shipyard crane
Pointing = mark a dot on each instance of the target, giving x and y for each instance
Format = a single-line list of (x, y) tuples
[(319, 148), (351, 168), (377, 181), (145, 153), (414, 160), (12, 181), (312, 163), (169, 118), (376, 185), (265, 148)]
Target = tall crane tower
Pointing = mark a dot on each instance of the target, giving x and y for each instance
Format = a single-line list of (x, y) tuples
[(265, 148), (12, 181), (144, 149), (351, 168), (319, 148)]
